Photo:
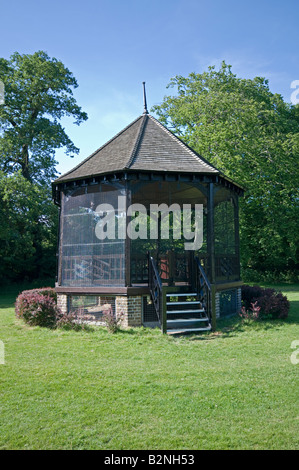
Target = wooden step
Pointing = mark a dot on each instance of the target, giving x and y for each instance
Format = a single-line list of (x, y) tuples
[(186, 320), (187, 302), (176, 312), (181, 294), (187, 330)]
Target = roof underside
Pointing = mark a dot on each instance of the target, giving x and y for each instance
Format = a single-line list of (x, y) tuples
[(144, 145)]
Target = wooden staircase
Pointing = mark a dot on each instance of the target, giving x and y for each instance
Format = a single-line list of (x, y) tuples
[(185, 314), (181, 312)]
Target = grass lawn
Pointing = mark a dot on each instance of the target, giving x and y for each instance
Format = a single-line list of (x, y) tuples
[(137, 389)]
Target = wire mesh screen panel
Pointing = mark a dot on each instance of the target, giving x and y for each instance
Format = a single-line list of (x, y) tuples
[(149, 312), (228, 302), (167, 229), (92, 240), (226, 252), (91, 307)]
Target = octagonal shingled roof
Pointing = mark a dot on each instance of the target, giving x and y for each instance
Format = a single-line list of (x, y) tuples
[(144, 145)]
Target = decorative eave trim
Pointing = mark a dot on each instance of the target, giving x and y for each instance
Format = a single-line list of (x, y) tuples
[(135, 175)]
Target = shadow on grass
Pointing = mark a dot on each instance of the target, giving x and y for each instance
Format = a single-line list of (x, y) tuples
[(282, 287), (294, 312), (226, 327), (138, 331), (229, 330), (7, 301), (234, 325)]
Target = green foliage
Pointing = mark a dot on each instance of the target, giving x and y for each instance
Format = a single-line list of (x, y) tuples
[(28, 229), (38, 93), (38, 307), (111, 320), (264, 303), (251, 135), (72, 321)]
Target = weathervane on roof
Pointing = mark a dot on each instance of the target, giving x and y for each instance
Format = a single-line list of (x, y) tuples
[(145, 111)]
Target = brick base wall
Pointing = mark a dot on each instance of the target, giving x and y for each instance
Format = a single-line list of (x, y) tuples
[(129, 306), (62, 302)]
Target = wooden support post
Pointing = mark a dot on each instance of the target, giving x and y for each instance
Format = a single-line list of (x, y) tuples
[(128, 240), (171, 266), (211, 252), (60, 240), (211, 234), (159, 240), (237, 236), (58, 247)]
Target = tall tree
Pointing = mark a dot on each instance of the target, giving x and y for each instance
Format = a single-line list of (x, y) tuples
[(28, 230), (251, 135), (38, 93)]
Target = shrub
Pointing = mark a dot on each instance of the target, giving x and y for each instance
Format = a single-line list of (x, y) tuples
[(38, 307), (50, 291), (252, 314), (251, 275), (71, 321), (111, 321), (272, 304)]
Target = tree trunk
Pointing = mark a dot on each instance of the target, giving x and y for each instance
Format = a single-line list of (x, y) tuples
[(25, 163)]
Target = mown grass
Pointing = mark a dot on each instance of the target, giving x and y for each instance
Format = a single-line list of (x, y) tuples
[(232, 389)]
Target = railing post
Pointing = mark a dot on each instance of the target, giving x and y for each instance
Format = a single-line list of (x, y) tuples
[(158, 293), (207, 292), (211, 234), (127, 239), (163, 312)]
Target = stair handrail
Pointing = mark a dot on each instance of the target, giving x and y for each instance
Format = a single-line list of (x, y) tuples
[(203, 289), (156, 288)]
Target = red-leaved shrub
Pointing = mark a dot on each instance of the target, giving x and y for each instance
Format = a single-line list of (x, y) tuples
[(38, 307), (252, 314), (111, 320), (272, 304), (71, 321)]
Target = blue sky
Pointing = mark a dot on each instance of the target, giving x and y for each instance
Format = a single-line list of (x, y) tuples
[(111, 46)]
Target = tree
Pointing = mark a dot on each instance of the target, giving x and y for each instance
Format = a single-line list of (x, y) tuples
[(28, 230), (38, 93), (251, 135)]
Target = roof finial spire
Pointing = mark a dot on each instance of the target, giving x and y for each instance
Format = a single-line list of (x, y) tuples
[(145, 111)]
